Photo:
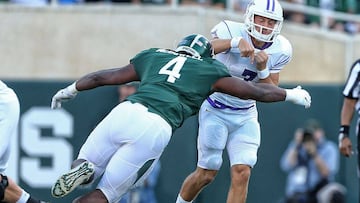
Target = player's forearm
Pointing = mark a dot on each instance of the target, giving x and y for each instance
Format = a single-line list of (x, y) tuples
[(296, 95), (115, 76), (270, 93), (92, 80), (247, 90), (347, 111), (220, 45), (267, 80)]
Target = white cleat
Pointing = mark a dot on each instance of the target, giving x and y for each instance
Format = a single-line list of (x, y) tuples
[(75, 177)]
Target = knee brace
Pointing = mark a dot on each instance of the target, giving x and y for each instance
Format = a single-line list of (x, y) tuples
[(3, 184)]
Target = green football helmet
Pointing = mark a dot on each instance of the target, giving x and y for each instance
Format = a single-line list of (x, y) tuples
[(195, 45)]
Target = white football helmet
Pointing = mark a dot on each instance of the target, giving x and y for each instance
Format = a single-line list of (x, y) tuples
[(266, 8)]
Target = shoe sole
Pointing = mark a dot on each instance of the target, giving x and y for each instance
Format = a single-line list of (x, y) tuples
[(75, 177)]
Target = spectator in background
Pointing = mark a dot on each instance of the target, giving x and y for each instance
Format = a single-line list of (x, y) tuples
[(30, 3), (326, 7), (217, 4), (311, 163), (325, 16), (351, 7), (296, 16), (153, 2), (144, 193), (126, 90), (241, 5)]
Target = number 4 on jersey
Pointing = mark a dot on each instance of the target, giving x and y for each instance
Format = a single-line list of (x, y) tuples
[(176, 64)]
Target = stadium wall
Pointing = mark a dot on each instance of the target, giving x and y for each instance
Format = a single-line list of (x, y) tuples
[(43, 48), (48, 140), (63, 42)]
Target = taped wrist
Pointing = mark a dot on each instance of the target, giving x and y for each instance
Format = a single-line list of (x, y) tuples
[(234, 43), (72, 88), (343, 132), (3, 184), (344, 129), (290, 95), (262, 74)]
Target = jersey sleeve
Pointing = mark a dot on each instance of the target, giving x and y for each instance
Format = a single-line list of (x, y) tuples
[(140, 60), (141, 54), (224, 30), (283, 60), (283, 56), (352, 85)]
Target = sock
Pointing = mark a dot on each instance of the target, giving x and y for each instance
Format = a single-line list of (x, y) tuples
[(24, 197), (181, 200)]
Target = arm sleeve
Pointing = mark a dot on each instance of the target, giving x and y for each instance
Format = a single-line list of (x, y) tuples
[(331, 157), (221, 30), (284, 162), (351, 89), (285, 56)]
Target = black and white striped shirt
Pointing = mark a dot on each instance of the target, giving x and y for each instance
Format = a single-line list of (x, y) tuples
[(352, 85)]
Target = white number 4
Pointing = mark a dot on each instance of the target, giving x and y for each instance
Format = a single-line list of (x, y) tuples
[(177, 63)]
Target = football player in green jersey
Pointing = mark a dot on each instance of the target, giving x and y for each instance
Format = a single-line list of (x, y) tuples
[(173, 85)]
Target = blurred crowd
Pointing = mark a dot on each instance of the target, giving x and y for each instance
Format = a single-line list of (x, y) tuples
[(327, 6)]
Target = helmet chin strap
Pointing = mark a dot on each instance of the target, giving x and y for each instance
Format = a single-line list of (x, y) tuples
[(258, 44)]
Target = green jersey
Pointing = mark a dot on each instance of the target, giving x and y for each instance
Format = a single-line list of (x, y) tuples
[(174, 85)]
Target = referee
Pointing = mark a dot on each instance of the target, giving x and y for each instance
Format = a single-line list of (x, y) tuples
[(351, 102)]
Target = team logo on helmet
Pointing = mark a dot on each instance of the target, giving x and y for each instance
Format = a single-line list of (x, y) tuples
[(195, 45)]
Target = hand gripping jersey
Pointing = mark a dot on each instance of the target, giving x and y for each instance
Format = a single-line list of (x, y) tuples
[(280, 53), (181, 82)]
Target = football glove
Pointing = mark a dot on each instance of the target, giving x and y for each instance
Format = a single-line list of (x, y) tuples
[(298, 96), (64, 95)]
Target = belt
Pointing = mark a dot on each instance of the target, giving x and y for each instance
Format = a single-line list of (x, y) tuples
[(218, 105)]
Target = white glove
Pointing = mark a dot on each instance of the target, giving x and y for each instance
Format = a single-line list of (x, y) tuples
[(64, 95), (298, 96)]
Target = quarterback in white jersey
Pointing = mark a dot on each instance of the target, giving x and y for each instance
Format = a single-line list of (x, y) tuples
[(256, 52), (279, 54)]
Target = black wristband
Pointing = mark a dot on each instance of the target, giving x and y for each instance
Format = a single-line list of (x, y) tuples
[(344, 129), (3, 184)]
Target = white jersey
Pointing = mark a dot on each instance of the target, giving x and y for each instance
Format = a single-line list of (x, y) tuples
[(280, 53), (3, 88), (9, 117), (6, 93)]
